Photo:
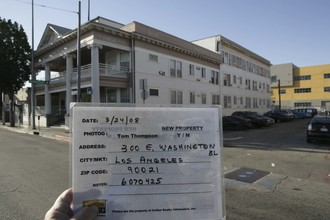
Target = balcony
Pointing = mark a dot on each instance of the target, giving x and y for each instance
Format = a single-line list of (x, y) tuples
[(105, 70)]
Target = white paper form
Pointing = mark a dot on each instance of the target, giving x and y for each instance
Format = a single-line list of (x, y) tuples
[(147, 162)]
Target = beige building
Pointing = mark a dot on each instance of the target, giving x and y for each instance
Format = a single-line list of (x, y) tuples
[(244, 76), (131, 63)]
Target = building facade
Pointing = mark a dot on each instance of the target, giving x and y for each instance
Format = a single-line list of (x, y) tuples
[(131, 63), (301, 87), (244, 76)]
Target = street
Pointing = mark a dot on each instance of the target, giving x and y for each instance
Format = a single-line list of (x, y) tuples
[(35, 170)]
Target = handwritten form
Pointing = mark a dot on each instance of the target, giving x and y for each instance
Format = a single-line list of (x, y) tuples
[(147, 162)]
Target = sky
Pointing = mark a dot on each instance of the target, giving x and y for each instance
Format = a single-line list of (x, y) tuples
[(281, 31)]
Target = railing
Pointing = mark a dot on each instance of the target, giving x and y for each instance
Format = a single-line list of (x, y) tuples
[(105, 70)]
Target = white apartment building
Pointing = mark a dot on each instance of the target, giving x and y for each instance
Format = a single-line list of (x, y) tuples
[(131, 63), (244, 76)]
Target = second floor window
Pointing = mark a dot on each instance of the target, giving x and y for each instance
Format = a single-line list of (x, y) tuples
[(191, 70), (176, 68), (215, 77), (203, 72)]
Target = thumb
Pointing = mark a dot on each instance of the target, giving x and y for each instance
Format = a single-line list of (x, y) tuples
[(86, 213)]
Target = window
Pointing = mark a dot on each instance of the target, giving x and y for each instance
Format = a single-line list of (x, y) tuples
[(124, 95), (248, 84), (303, 90), (283, 91), (227, 101), (247, 102), (298, 78), (153, 57), (111, 95), (255, 103), (176, 68), (192, 97), (179, 69), (176, 97), (203, 98), (327, 89), (153, 92), (226, 80), (240, 79), (273, 79), (191, 70), (302, 104), (327, 76), (203, 72), (255, 85), (215, 77), (172, 68), (215, 99)]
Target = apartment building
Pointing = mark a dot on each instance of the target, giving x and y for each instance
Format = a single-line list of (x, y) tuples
[(244, 76), (301, 87), (131, 63)]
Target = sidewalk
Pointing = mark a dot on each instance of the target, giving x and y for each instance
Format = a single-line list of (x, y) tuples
[(58, 133)]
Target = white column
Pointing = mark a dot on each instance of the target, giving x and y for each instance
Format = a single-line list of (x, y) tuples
[(95, 73), (69, 69), (48, 101)]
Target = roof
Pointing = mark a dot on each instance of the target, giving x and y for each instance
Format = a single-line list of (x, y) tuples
[(52, 33)]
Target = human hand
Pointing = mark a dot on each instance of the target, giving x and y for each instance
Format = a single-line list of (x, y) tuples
[(61, 209)]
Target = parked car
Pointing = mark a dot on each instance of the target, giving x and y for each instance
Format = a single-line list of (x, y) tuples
[(277, 116), (235, 123), (300, 114), (285, 112), (318, 128), (311, 112), (256, 119)]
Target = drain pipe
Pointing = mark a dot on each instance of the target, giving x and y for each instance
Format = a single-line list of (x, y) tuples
[(133, 68)]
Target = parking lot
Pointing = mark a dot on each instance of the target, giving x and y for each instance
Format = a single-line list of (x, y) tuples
[(283, 135), (280, 149)]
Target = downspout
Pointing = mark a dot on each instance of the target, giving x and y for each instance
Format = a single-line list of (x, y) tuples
[(218, 42), (133, 69)]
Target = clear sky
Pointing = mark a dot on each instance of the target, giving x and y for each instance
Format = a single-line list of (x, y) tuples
[(282, 31)]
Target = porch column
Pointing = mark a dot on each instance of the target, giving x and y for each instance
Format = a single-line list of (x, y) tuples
[(69, 69), (48, 100), (95, 72)]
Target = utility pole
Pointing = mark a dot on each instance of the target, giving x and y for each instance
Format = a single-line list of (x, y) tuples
[(279, 94), (89, 9), (78, 54), (33, 75)]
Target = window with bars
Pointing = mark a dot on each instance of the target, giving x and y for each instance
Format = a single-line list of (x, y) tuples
[(303, 90)]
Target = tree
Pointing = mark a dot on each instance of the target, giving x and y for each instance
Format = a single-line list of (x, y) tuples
[(15, 54)]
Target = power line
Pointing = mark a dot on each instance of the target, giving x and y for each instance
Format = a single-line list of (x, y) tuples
[(46, 6)]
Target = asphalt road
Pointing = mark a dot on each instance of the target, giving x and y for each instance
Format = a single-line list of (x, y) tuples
[(304, 193), (35, 170)]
